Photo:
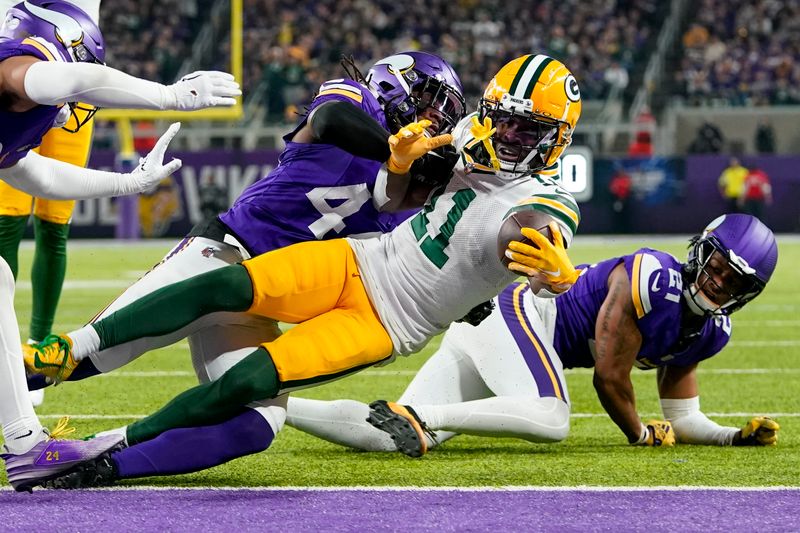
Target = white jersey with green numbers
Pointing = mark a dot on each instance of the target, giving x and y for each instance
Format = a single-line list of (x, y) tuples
[(440, 263)]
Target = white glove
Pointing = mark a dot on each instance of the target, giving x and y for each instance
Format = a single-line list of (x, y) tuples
[(64, 113), (151, 169), (203, 89)]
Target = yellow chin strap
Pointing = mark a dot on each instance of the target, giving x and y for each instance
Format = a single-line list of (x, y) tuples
[(483, 133)]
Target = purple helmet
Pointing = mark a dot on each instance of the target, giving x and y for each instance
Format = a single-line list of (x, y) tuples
[(74, 34), (750, 250), (408, 83)]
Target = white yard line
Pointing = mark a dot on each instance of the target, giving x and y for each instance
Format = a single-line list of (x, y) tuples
[(385, 373), (86, 416)]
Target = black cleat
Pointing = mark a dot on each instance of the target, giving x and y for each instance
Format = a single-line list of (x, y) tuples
[(404, 426), (100, 472)]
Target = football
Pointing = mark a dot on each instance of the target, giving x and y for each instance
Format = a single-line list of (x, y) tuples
[(510, 230)]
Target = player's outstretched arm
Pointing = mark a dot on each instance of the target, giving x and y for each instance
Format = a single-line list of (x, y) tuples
[(48, 178), (411, 143), (104, 86), (680, 403), (617, 342)]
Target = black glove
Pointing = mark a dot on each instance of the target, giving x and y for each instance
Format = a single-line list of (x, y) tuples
[(436, 167), (479, 313)]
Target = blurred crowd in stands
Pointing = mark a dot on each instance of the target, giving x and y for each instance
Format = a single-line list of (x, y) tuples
[(742, 52), (735, 52), (151, 38), (293, 45)]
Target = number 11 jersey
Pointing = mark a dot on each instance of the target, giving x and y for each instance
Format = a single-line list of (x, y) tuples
[(443, 261)]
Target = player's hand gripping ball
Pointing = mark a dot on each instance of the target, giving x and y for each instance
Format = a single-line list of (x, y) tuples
[(511, 230)]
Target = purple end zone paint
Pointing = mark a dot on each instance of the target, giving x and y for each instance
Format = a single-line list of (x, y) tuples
[(392, 510)]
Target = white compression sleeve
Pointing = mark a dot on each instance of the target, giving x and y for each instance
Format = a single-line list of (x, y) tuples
[(692, 426), (94, 84), (48, 178)]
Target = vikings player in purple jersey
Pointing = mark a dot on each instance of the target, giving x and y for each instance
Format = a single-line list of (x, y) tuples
[(51, 56), (331, 181), (505, 377)]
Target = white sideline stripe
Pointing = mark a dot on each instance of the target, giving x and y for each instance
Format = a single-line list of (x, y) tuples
[(383, 373), (573, 415), (508, 488), (148, 374), (765, 343), (86, 284), (773, 323)]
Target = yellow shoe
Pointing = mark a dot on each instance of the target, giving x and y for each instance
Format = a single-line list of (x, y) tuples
[(51, 358)]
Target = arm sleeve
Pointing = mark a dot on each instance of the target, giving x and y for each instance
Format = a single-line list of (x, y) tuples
[(350, 128), (93, 84), (692, 426), (48, 178)]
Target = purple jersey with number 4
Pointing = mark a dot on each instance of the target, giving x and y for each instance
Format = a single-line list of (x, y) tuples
[(656, 290), (317, 191), (20, 132)]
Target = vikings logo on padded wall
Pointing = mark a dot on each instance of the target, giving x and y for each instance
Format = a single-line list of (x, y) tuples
[(97, 218)]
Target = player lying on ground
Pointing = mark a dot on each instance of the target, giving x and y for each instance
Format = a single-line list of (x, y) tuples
[(51, 56), (505, 377), (362, 302), (330, 183)]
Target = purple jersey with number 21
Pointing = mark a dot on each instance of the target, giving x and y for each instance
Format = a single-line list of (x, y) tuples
[(317, 191), (656, 290)]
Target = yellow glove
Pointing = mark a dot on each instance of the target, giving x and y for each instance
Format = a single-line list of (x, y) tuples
[(483, 133), (759, 431), (410, 143), (659, 433), (546, 259)]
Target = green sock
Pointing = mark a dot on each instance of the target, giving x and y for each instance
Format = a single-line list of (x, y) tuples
[(175, 306), (251, 379), (12, 228), (47, 274)]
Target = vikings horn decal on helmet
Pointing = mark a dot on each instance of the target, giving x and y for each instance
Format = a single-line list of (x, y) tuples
[(534, 102), (65, 30), (749, 248), (408, 83)]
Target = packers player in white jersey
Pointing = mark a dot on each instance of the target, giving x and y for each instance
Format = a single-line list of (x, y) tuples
[(359, 303), (51, 218)]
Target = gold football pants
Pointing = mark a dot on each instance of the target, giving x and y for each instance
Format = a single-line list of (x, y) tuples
[(317, 285)]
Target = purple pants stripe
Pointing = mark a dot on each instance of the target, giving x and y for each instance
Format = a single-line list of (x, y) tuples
[(538, 359)]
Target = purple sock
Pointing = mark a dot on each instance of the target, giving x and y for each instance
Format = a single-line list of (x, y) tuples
[(184, 450)]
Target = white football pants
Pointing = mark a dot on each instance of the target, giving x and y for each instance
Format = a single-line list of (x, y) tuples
[(502, 378), (217, 341)]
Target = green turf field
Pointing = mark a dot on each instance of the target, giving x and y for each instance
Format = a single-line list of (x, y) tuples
[(759, 373)]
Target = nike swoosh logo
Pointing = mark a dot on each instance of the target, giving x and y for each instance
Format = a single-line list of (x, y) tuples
[(28, 434), (552, 274), (654, 287)]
